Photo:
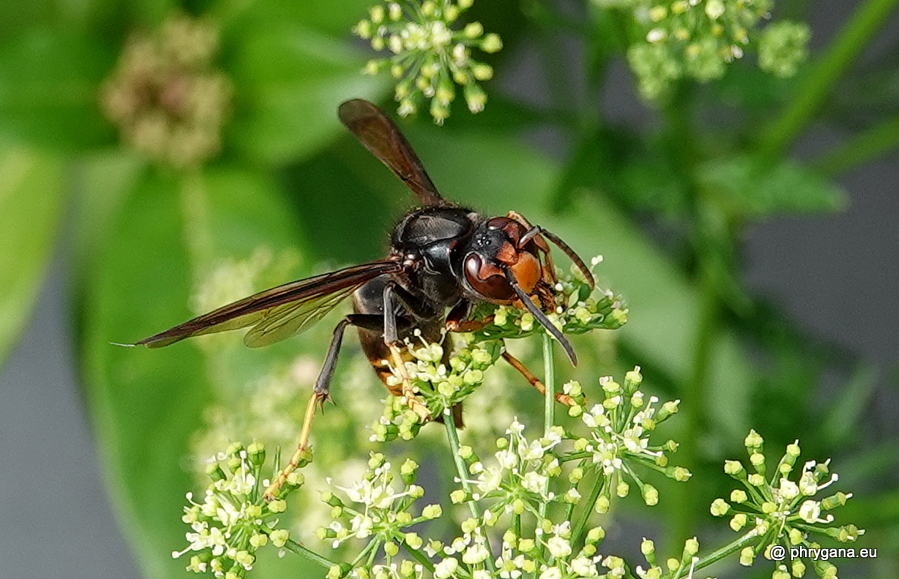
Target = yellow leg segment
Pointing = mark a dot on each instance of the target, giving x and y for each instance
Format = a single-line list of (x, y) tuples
[(302, 447), (408, 392)]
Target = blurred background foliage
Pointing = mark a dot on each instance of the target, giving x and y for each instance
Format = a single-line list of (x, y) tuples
[(268, 187)]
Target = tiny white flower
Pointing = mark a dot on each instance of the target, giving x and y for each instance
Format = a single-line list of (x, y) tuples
[(558, 547), (445, 568), (533, 482), (584, 567), (810, 511), (551, 573), (788, 489), (475, 554)]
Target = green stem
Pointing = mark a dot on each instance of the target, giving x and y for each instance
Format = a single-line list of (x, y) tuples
[(818, 84), (578, 532), (418, 556), (685, 505), (876, 141), (549, 406), (549, 381), (730, 548), (302, 551), (452, 435)]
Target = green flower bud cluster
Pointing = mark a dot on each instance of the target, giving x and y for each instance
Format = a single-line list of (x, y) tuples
[(377, 513), (440, 386), (166, 97), (233, 521), (698, 39), (783, 46), (673, 567), (532, 487), (430, 57), (618, 440), (780, 510)]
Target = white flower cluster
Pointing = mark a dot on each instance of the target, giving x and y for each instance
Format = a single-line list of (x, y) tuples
[(620, 427), (378, 513), (780, 510), (441, 386), (518, 555), (233, 521), (528, 488), (521, 472), (429, 56)]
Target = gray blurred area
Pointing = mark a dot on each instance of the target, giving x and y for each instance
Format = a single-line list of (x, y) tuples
[(55, 516)]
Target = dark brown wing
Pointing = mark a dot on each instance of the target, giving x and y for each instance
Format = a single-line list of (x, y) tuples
[(279, 312), (382, 137)]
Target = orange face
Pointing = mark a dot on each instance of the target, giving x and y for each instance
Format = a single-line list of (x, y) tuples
[(487, 277)]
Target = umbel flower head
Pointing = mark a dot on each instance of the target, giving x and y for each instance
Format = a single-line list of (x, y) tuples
[(378, 513), (698, 38), (783, 511), (620, 426), (532, 487), (430, 57), (165, 96), (233, 520)]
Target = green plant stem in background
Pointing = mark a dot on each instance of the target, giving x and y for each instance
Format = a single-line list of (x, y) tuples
[(302, 551), (876, 141), (721, 553), (685, 507), (820, 81), (549, 402), (452, 435), (549, 381)]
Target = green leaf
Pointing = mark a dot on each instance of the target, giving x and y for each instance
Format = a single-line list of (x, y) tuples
[(847, 412), (615, 163), (329, 197), (96, 17), (747, 186), (330, 16), (31, 200), (144, 405), (48, 90), (290, 81), (102, 182), (147, 404)]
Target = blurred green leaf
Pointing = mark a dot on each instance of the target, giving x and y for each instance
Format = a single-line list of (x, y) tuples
[(108, 18), (841, 426), (147, 404), (750, 187), (616, 162), (330, 16), (290, 80), (48, 90), (329, 197), (31, 201), (102, 181)]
